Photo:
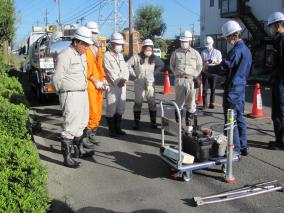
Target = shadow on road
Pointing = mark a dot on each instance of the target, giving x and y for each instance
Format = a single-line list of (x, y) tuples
[(142, 164), (258, 144)]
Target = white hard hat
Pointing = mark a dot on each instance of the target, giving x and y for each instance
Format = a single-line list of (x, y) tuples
[(84, 34), (117, 38), (147, 42), (230, 27), (186, 36), (208, 41), (275, 17), (93, 26)]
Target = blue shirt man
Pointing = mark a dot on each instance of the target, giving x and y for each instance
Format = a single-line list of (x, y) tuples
[(236, 68)]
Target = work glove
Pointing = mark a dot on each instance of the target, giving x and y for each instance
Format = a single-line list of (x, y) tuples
[(99, 85), (105, 85)]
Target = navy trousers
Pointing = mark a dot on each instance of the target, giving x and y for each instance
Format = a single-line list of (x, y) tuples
[(234, 98)]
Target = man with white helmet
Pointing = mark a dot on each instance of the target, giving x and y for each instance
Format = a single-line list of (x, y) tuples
[(236, 68), (142, 67), (70, 83), (211, 58), (97, 84), (276, 27), (186, 65), (117, 74)]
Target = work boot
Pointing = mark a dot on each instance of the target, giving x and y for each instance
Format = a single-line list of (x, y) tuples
[(111, 127), (153, 116), (176, 115), (136, 120), (66, 147), (117, 124), (275, 146), (86, 142), (211, 106), (91, 134), (80, 152)]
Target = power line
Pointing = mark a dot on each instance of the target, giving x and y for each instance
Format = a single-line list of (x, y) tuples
[(77, 11), (185, 8), (84, 13)]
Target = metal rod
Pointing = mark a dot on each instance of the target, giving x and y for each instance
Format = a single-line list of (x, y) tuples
[(201, 202), (162, 127), (238, 190), (229, 173)]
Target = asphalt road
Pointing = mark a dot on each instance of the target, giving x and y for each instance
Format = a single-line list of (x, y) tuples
[(126, 174)]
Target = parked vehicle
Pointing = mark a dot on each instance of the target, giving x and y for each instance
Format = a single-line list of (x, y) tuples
[(157, 52)]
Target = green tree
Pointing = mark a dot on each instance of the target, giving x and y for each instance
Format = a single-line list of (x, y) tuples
[(7, 26), (7, 20), (161, 43), (149, 21)]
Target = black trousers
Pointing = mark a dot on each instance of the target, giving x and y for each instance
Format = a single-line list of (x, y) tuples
[(209, 81), (278, 111)]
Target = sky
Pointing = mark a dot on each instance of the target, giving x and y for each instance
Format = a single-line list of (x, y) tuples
[(179, 15)]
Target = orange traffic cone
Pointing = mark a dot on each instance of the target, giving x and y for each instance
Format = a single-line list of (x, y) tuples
[(257, 110), (200, 95), (167, 84)]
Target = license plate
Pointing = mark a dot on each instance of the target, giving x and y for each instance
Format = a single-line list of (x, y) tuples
[(46, 63)]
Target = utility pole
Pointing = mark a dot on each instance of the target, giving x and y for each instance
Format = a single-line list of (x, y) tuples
[(59, 18), (81, 20), (130, 28), (46, 17)]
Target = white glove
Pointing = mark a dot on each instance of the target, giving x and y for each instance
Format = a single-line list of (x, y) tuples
[(105, 85), (106, 88), (99, 85)]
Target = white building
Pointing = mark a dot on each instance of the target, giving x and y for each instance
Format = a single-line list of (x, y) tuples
[(251, 14), (212, 11)]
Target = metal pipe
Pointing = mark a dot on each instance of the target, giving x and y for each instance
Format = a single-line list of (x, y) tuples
[(229, 173), (162, 127)]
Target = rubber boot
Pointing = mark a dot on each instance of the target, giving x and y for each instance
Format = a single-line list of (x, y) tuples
[(153, 116), (117, 123), (176, 115), (136, 120), (111, 127), (80, 152), (66, 147), (91, 134), (189, 122), (86, 142)]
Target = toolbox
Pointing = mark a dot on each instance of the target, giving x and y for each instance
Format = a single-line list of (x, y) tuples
[(199, 146)]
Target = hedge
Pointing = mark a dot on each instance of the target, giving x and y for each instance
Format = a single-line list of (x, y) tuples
[(14, 119), (22, 177), (11, 89)]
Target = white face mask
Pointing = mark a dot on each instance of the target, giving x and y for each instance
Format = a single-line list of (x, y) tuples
[(209, 46), (94, 37), (184, 45), (147, 53), (118, 48)]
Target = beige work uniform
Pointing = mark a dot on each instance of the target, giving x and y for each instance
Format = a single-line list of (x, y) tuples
[(186, 65), (144, 81), (116, 69), (70, 83)]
